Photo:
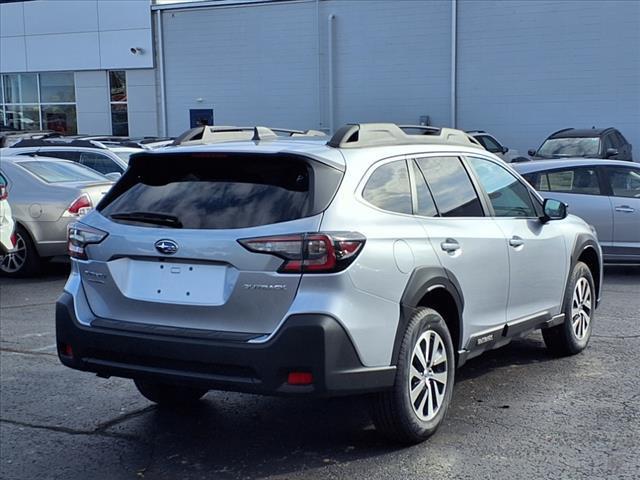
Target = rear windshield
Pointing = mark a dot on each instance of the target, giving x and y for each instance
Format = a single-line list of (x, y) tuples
[(218, 192), (52, 171)]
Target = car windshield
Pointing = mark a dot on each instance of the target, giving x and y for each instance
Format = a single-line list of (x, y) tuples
[(570, 147), (52, 171)]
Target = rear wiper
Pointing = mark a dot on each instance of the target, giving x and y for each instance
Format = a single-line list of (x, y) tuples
[(149, 217)]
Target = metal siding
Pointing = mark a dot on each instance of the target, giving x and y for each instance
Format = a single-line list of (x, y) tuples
[(529, 68), (391, 60), (252, 65)]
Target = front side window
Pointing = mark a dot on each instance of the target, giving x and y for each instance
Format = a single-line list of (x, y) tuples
[(451, 187), (581, 180), (508, 196), (625, 182), (388, 188), (570, 147)]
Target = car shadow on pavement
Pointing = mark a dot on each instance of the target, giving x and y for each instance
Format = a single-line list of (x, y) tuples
[(228, 435)]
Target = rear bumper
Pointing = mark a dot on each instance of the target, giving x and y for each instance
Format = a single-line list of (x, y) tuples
[(306, 343)]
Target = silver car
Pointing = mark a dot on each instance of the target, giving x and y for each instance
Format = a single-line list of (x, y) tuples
[(605, 193), (374, 262), (46, 195)]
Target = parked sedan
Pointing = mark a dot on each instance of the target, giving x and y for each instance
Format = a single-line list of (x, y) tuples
[(605, 193), (46, 195)]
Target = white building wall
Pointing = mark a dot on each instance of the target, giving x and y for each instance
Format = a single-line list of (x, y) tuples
[(92, 103), (55, 35)]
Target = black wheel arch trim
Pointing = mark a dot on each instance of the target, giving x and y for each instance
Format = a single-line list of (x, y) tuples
[(422, 281), (582, 243)]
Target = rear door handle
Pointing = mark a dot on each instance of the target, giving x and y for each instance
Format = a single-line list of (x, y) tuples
[(625, 208), (450, 245), (516, 241)]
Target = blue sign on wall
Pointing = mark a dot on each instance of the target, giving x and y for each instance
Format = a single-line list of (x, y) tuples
[(200, 116)]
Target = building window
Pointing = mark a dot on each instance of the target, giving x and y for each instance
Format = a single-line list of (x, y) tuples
[(39, 101), (118, 92)]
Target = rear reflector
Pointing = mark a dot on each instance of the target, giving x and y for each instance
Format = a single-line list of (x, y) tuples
[(300, 378), (66, 350), (4, 193)]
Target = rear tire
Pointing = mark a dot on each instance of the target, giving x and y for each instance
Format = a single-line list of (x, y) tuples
[(169, 395), (572, 336), (24, 260), (415, 407)]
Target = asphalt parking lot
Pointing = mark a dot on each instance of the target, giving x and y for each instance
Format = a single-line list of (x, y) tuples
[(516, 413)]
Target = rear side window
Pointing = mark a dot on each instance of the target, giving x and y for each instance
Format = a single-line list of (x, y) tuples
[(221, 191), (581, 180), (99, 163), (53, 171), (388, 188), (451, 187), (425, 204)]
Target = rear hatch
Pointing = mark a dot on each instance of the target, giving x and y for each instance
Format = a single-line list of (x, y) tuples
[(172, 257)]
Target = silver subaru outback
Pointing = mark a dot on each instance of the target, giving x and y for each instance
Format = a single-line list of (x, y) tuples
[(375, 262)]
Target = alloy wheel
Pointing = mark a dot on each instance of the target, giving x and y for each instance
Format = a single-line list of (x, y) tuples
[(581, 308), (15, 260), (428, 374)]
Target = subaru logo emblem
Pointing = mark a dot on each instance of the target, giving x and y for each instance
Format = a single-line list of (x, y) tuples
[(168, 247)]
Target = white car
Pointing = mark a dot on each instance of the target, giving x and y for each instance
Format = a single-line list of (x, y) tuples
[(7, 241), (491, 144)]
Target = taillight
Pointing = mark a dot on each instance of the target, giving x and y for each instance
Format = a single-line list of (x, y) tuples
[(4, 193), (79, 206), (79, 236), (310, 252)]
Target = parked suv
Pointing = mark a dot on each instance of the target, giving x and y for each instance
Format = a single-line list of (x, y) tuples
[(589, 143), (89, 153), (375, 262)]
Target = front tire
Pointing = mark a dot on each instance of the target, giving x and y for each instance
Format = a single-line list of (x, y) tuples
[(165, 394), (572, 336), (415, 407)]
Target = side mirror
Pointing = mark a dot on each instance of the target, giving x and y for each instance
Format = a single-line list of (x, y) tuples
[(611, 152), (505, 149), (554, 210), (115, 176), (531, 152)]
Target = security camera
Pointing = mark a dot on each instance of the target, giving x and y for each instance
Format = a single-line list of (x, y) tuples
[(136, 50)]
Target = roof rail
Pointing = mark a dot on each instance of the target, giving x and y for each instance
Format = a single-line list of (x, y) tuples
[(217, 134), (57, 142), (360, 135)]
